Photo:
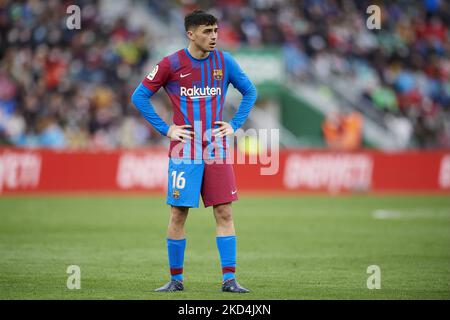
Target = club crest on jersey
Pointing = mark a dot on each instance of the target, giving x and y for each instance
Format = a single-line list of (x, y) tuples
[(176, 194), (152, 74), (217, 74)]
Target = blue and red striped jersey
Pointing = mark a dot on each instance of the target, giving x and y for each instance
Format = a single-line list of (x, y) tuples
[(197, 90)]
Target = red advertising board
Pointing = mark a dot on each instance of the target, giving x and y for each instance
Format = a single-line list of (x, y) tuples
[(290, 170)]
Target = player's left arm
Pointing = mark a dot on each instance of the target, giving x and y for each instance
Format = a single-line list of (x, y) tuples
[(242, 83)]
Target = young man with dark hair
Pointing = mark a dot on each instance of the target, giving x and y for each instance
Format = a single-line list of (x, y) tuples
[(196, 80)]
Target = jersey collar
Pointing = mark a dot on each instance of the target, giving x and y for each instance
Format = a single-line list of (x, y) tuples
[(195, 59)]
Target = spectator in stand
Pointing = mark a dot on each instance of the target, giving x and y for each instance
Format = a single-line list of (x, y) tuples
[(343, 131)]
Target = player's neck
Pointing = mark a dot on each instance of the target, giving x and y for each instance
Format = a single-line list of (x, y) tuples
[(197, 53)]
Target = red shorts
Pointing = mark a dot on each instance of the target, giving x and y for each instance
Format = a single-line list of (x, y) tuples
[(219, 184)]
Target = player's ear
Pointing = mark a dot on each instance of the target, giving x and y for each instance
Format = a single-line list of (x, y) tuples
[(190, 33)]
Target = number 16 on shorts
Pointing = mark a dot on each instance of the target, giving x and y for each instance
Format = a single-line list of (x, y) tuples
[(184, 184), (178, 181)]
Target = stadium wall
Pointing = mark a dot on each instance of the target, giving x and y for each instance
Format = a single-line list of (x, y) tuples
[(145, 170)]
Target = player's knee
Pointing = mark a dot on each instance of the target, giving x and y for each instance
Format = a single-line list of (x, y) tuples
[(223, 213), (178, 216)]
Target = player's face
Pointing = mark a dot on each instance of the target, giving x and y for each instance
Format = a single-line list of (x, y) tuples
[(204, 37)]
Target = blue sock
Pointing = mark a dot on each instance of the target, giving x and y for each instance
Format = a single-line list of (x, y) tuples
[(175, 250), (227, 252)]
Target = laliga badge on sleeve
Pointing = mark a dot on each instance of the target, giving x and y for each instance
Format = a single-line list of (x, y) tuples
[(152, 74)]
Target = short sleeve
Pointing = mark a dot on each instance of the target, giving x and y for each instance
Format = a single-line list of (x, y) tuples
[(237, 77)]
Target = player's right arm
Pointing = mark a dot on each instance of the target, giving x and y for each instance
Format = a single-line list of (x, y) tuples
[(141, 99)]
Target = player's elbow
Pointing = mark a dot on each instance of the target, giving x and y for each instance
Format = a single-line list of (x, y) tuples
[(136, 96), (139, 96), (252, 93)]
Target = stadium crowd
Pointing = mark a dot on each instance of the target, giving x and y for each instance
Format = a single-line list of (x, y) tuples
[(402, 69), (60, 88), (69, 88)]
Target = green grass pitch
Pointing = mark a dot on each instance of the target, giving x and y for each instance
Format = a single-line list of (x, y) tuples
[(304, 247)]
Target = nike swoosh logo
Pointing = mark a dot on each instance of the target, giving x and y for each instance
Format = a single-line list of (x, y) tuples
[(233, 192), (184, 75)]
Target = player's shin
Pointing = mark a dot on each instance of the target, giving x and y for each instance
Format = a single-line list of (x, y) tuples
[(227, 251), (176, 250)]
